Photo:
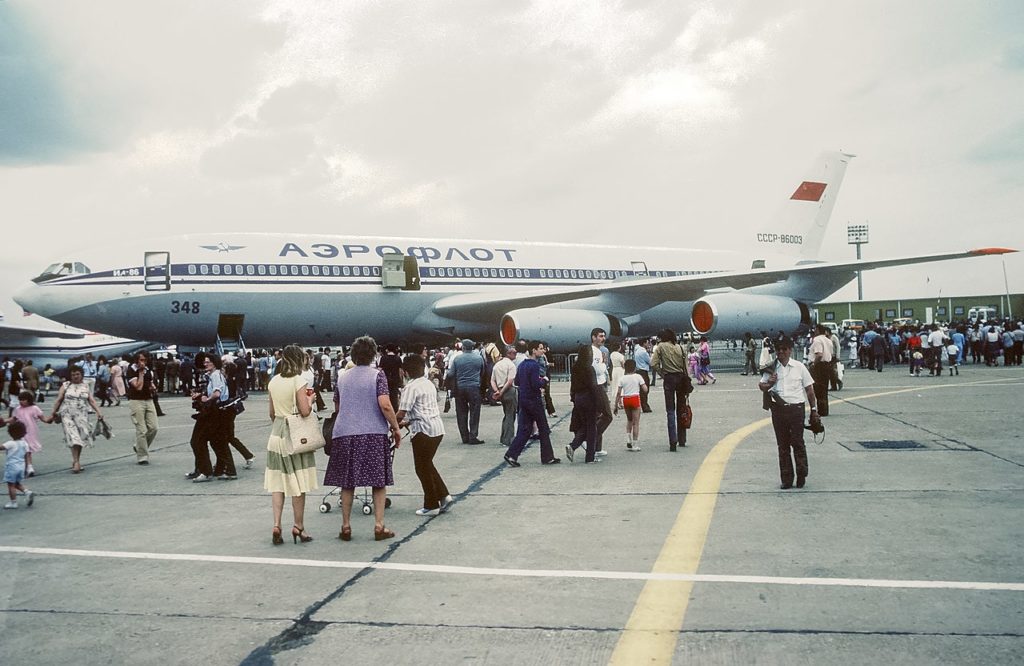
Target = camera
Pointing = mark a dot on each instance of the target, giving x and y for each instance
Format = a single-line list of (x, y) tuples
[(814, 424)]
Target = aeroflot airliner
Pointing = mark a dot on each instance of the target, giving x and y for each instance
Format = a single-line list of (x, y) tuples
[(273, 288)]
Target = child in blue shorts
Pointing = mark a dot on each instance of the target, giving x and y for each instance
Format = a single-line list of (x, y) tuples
[(14, 466)]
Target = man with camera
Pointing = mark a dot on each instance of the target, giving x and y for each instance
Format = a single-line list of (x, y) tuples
[(789, 385)]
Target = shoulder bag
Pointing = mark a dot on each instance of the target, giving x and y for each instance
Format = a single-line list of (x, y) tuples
[(304, 433)]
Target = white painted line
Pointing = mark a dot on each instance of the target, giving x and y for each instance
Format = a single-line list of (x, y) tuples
[(525, 573)]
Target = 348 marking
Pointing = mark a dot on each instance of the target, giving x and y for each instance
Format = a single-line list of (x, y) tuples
[(184, 307)]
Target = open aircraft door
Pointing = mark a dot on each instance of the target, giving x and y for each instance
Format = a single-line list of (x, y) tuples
[(639, 267), (157, 275), (399, 271)]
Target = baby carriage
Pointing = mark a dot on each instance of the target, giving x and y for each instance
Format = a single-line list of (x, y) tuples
[(364, 497)]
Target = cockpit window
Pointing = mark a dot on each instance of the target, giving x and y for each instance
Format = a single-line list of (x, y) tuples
[(62, 269)]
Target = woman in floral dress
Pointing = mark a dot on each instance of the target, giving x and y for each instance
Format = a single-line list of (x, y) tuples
[(73, 403)]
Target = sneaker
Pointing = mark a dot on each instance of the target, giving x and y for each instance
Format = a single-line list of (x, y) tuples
[(31, 497), (11, 505), (569, 452), (200, 478), (629, 446), (191, 475), (227, 477), (248, 463), (446, 502), (31, 471), (553, 461), (511, 462), (601, 454), (428, 512), (635, 447)]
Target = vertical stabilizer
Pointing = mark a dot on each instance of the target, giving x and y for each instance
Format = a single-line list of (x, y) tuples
[(799, 228)]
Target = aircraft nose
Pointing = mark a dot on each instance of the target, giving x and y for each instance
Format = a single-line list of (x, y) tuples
[(28, 298)]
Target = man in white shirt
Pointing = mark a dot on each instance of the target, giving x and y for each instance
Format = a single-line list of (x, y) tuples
[(935, 346), (603, 407), (789, 384), (503, 390), (821, 366)]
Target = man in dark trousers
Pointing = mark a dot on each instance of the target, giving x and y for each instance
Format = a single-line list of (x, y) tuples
[(821, 366), (468, 368), (530, 386), (790, 386)]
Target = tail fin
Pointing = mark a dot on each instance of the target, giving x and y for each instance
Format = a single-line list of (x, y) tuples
[(799, 228)]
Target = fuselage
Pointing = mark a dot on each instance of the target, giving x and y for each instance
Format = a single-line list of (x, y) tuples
[(276, 288)]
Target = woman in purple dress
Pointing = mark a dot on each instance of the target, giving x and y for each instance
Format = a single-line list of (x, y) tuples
[(360, 449)]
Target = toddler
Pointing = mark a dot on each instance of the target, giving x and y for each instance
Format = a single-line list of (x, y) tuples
[(627, 396), (916, 363), (952, 354), (14, 466), (28, 413)]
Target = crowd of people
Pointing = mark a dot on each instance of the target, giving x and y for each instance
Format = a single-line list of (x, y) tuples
[(379, 391)]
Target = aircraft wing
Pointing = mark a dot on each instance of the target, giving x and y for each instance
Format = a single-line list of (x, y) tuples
[(9, 333), (638, 294)]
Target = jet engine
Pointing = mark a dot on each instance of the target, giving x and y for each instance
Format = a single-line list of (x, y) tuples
[(563, 330), (733, 314)]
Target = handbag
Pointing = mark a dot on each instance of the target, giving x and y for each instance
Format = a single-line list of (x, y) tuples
[(328, 431), (686, 418), (304, 434)]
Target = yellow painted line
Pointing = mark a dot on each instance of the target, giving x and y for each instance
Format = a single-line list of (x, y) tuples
[(652, 631)]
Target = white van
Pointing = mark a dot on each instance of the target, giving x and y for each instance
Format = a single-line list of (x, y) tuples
[(981, 313)]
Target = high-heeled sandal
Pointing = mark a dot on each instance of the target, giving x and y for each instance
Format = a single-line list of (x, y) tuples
[(300, 535), (345, 534), (381, 533), (276, 537)]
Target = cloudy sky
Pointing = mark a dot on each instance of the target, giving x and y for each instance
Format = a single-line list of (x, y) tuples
[(666, 123)]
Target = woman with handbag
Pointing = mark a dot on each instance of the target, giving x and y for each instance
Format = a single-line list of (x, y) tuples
[(360, 449), (292, 474), (72, 405)]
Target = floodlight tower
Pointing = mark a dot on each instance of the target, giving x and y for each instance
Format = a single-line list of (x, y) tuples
[(857, 234)]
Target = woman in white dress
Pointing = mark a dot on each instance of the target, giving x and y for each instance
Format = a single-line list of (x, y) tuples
[(73, 403)]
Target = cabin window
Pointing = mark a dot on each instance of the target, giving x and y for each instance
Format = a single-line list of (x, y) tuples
[(273, 269), (304, 269), (204, 269), (216, 269), (191, 269), (250, 269), (261, 269), (294, 270), (227, 269)]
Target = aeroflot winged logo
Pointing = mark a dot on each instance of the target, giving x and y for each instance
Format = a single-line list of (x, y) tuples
[(222, 247)]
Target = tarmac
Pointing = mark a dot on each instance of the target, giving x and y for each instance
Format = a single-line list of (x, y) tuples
[(906, 555)]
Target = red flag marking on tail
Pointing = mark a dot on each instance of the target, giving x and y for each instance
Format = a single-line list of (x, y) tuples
[(809, 191)]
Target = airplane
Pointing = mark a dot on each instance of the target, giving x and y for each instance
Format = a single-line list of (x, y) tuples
[(56, 345), (327, 290)]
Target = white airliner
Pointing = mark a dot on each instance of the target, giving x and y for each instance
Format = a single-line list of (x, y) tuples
[(276, 288)]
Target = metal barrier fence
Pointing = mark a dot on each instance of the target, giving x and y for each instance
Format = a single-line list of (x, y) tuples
[(725, 355)]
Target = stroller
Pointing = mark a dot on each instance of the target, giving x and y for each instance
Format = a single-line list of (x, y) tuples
[(364, 497)]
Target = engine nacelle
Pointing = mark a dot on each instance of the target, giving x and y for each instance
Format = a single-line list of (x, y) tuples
[(563, 330), (731, 315)]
